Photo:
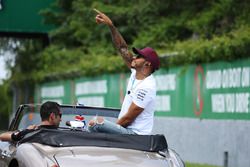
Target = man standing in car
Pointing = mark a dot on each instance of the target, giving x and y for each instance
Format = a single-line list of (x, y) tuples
[(50, 118), (136, 116)]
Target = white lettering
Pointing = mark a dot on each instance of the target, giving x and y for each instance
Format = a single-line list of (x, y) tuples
[(245, 81), (230, 103), (231, 78), (52, 91), (228, 78), (234, 79), (218, 104), (166, 82), (91, 87), (225, 79), (213, 79), (163, 103), (242, 103)]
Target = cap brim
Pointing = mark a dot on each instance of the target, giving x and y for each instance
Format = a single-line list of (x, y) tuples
[(136, 51)]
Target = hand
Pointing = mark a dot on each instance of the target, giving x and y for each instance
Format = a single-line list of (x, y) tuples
[(96, 120), (32, 127), (102, 18)]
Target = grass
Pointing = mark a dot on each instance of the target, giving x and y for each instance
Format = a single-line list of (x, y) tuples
[(198, 165)]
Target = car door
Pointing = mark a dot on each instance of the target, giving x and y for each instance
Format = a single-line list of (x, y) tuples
[(6, 152)]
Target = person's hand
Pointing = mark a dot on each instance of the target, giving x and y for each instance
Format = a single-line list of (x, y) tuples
[(96, 120), (102, 18), (32, 127)]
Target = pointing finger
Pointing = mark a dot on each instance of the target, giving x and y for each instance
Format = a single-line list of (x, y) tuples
[(97, 11)]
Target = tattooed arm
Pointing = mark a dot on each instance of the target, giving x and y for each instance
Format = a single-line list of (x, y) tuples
[(117, 38)]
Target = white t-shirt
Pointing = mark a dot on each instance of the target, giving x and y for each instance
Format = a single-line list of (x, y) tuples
[(143, 94)]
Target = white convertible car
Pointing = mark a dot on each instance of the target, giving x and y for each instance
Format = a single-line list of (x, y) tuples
[(73, 146)]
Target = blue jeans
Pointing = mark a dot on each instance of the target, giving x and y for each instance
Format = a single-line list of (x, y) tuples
[(110, 127)]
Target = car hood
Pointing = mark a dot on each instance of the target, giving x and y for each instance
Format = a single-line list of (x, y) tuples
[(105, 157)]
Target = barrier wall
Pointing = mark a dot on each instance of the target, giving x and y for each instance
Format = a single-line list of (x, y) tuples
[(204, 110), (209, 91)]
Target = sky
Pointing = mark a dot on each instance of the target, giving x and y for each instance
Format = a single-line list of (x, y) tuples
[(3, 72)]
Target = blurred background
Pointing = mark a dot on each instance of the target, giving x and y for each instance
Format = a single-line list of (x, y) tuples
[(54, 50)]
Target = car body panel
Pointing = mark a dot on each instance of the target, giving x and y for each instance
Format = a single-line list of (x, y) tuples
[(5, 150), (94, 156)]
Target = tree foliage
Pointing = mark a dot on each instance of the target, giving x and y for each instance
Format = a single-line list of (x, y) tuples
[(5, 102), (182, 31)]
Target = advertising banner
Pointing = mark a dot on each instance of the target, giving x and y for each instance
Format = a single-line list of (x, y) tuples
[(219, 90)]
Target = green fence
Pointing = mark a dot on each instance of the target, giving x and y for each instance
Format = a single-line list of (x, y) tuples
[(209, 91)]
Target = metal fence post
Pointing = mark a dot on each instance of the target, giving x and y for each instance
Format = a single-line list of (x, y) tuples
[(225, 159)]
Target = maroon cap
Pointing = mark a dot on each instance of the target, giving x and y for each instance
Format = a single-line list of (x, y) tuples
[(150, 55)]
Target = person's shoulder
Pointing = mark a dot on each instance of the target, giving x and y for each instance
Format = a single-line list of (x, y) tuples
[(48, 126), (150, 81)]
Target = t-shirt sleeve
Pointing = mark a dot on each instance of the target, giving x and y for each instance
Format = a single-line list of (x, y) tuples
[(142, 97)]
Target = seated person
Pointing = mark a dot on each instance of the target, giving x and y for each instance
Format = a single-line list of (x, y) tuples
[(50, 118), (136, 116)]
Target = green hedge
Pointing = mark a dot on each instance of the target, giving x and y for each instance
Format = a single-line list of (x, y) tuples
[(193, 32)]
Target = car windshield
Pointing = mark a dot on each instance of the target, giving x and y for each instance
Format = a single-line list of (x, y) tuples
[(30, 114)]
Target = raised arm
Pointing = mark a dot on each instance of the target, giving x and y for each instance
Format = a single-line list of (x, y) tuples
[(117, 38)]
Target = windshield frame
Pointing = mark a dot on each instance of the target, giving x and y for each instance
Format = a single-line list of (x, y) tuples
[(66, 110)]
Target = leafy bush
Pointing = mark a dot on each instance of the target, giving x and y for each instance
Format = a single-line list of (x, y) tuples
[(193, 32)]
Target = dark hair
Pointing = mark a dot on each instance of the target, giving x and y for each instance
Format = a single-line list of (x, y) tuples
[(47, 108)]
